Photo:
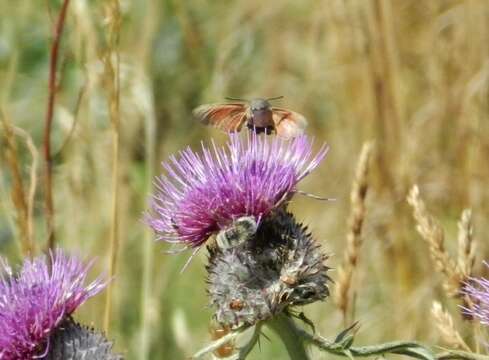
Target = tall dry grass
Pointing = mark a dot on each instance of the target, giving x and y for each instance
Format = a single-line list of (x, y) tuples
[(111, 61), (412, 76)]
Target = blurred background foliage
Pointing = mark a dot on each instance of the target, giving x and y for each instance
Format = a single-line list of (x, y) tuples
[(411, 75)]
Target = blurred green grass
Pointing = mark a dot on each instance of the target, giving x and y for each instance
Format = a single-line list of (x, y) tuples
[(411, 75)]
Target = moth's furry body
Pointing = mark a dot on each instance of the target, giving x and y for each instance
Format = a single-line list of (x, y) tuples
[(261, 116)]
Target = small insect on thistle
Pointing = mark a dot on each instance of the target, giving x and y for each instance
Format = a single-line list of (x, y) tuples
[(258, 115), (237, 304), (238, 233), (218, 332), (289, 280)]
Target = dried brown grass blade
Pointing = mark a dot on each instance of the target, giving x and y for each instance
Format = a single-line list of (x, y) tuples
[(52, 90), (19, 196)]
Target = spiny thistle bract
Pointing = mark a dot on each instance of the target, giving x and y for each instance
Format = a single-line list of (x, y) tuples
[(204, 193), (76, 342), (280, 266), (477, 289), (35, 300)]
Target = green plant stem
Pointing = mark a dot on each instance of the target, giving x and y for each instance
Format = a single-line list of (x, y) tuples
[(458, 354), (295, 339), (245, 350), (343, 347), (148, 245), (288, 332)]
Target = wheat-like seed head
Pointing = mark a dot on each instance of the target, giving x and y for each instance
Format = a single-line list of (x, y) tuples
[(353, 238), (466, 245), (433, 234), (446, 327)]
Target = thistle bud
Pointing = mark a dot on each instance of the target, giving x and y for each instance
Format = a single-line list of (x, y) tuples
[(280, 266), (76, 342)]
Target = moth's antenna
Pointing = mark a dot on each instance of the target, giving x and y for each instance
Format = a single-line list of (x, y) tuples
[(275, 98), (190, 259), (235, 99), (312, 196)]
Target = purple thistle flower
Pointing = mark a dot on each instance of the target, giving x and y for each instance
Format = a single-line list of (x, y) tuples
[(34, 301), (477, 289), (203, 193)]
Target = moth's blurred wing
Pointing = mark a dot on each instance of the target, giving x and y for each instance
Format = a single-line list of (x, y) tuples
[(226, 117), (288, 124)]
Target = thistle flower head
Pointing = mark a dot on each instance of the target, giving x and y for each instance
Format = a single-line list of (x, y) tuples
[(477, 289), (204, 193), (35, 300), (280, 267)]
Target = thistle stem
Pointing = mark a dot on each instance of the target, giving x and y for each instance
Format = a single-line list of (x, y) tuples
[(295, 338), (343, 347), (248, 347), (288, 332)]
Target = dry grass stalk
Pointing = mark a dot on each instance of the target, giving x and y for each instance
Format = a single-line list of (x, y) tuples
[(433, 234), (32, 184), (384, 81), (354, 240), (19, 197), (466, 245), (76, 111), (147, 289), (112, 73), (444, 323), (53, 64)]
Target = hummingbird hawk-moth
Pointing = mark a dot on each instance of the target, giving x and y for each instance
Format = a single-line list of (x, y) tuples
[(257, 114)]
